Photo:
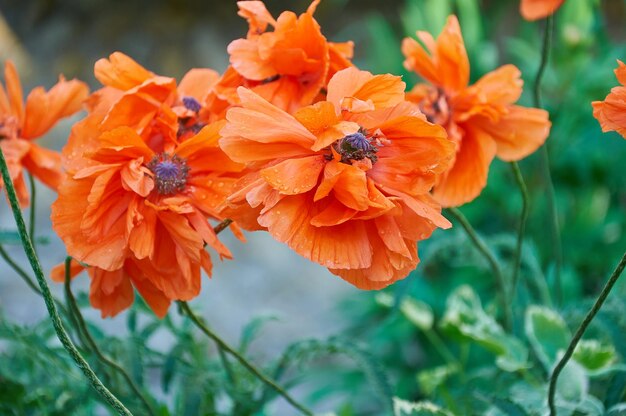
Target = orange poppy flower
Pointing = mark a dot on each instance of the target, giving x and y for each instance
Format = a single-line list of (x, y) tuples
[(611, 113), (539, 9), (144, 173), (288, 66), (21, 124), (344, 182), (481, 119)]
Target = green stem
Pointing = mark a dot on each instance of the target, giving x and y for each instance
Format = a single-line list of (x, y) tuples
[(491, 259), (545, 164), (441, 348), (580, 331), (522, 228), (257, 373), (49, 300), (31, 220), (82, 326), (29, 282), (222, 225)]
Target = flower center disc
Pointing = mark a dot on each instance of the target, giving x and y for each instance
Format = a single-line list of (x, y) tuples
[(170, 173), (356, 146)]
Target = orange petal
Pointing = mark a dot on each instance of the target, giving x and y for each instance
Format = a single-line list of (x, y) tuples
[(197, 83), (519, 133), (341, 246), (182, 234), (45, 165), (110, 291), (257, 16), (295, 176), (245, 59), (44, 109), (502, 86), (468, 176), (379, 90), (57, 274), (141, 229), (14, 90), (448, 65), (155, 298), (120, 71), (538, 9), (135, 177)]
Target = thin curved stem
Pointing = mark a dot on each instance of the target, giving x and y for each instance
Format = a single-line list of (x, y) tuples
[(32, 213), (50, 304), (29, 282), (82, 327), (491, 259), (580, 331), (545, 164), (519, 179), (222, 225), (250, 367)]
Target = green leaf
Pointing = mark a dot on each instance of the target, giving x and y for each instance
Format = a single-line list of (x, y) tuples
[(508, 407), (430, 380), (418, 313), (547, 333), (573, 384), (466, 318), (593, 355), (617, 410), (405, 408)]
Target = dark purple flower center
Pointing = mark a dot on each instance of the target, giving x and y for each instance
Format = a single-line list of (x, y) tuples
[(170, 173), (191, 104), (356, 146)]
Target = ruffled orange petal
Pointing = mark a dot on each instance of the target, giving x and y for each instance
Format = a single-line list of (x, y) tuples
[(44, 109), (295, 176), (121, 72), (611, 113), (44, 164), (110, 291), (378, 90), (468, 176), (57, 274), (156, 299), (448, 64), (538, 9), (14, 90), (257, 16), (197, 83), (519, 133), (341, 246)]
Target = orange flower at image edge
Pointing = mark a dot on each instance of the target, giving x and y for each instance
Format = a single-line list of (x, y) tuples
[(611, 113), (481, 119), (345, 182), (144, 175), (539, 9), (21, 124)]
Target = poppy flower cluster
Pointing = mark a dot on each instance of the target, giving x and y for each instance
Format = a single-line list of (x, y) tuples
[(344, 166)]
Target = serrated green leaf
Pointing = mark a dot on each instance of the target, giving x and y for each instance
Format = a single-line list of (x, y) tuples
[(418, 313), (573, 383), (593, 355), (466, 318), (405, 408), (547, 333), (617, 410)]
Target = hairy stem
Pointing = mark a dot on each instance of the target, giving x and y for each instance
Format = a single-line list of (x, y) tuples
[(491, 259), (545, 164), (50, 304), (249, 366), (33, 210), (580, 331), (517, 173), (82, 327)]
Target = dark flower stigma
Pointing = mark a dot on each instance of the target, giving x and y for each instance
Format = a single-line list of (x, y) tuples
[(192, 104), (170, 173), (356, 146)]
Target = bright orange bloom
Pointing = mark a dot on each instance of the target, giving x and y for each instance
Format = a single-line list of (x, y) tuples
[(481, 119), (21, 124), (539, 9), (611, 113), (344, 182), (144, 173), (288, 66)]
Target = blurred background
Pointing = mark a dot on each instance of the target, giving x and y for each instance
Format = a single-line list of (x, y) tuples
[(49, 37)]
